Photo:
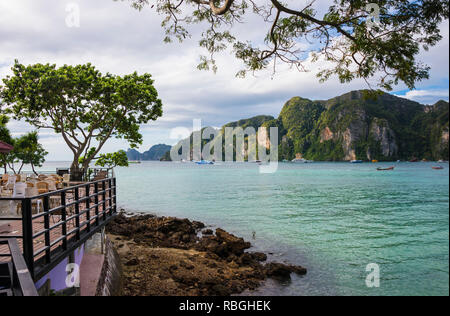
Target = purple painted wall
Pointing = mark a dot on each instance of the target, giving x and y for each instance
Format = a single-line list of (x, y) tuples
[(58, 275)]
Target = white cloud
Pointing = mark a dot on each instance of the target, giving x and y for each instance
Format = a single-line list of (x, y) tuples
[(427, 96)]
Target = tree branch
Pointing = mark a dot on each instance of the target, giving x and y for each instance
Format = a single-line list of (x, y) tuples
[(337, 26)]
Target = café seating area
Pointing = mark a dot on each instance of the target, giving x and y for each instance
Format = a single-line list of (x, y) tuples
[(29, 185)]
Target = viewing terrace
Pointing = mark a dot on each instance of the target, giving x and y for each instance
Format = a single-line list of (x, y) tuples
[(50, 221)]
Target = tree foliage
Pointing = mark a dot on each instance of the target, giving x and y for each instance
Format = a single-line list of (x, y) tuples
[(27, 149), (345, 34), (111, 160), (80, 103), (5, 136)]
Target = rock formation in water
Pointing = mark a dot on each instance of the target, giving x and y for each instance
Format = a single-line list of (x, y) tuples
[(172, 256)]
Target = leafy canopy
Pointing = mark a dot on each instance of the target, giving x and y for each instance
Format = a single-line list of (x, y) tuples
[(28, 150), (111, 160), (344, 35), (5, 136), (81, 104)]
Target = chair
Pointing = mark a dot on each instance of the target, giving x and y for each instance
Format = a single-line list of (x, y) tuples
[(42, 187), (11, 182), (42, 177), (30, 184), (4, 192), (4, 178), (101, 175), (19, 191), (66, 179), (55, 201), (35, 204), (51, 185)]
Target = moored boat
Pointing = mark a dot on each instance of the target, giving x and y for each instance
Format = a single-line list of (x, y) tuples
[(356, 161), (204, 162), (385, 169), (299, 160), (437, 167)]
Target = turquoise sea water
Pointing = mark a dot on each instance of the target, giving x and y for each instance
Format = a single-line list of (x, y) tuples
[(333, 218)]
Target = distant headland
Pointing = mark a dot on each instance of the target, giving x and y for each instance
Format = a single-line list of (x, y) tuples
[(156, 152)]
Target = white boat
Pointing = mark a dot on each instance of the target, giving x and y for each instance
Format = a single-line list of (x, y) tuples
[(204, 162), (301, 160)]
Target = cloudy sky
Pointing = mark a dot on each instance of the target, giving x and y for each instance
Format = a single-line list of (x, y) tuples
[(120, 40)]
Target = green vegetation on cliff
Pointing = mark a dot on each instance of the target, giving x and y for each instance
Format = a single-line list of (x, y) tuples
[(357, 125)]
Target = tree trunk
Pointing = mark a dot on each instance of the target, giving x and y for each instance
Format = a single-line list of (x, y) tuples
[(76, 173), (32, 168), (20, 169)]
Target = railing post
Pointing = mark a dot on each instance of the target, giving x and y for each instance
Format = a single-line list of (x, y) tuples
[(114, 196), (88, 207), (64, 220), (47, 228), (96, 203), (77, 213), (27, 232), (110, 197), (104, 199)]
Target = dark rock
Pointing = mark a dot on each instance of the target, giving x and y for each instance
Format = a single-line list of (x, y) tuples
[(259, 256), (283, 271), (208, 232), (212, 265), (132, 262), (173, 268), (299, 270), (198, 225), (278, 270), (186, 265), (221, 265), (220, 290), (186, 238)]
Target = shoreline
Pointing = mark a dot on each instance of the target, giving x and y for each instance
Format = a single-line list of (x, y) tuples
[(178, 257)]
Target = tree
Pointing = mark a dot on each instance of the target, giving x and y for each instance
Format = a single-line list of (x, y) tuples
[(5, 136), (84, 106), (351, 35), (112, 160), (28, 151)]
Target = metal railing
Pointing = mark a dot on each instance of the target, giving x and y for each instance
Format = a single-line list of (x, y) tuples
[(80, 212), (15, 276)]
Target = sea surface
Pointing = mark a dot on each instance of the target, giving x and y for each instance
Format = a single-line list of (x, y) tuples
[(332, 218)]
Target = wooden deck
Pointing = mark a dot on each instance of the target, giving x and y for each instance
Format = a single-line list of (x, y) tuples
[(91, 206)]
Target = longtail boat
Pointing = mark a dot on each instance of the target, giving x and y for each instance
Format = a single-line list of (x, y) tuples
[(385, 169)]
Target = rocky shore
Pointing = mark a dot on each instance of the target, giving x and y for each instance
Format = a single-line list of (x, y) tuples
[(172, 256)]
